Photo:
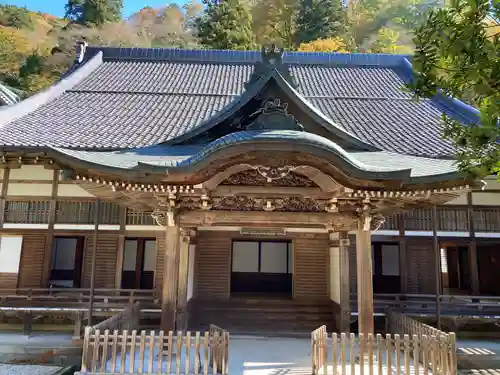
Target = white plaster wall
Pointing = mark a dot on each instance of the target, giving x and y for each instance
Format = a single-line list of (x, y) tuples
[(36, 190), (10, 253), (72, 190), (32, 172), (486, 199)]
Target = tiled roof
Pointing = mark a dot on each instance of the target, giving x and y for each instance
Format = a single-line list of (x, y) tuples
[(137, 98), (380, 163), (7, 97)]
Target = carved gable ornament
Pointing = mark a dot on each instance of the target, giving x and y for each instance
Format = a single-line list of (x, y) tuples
[(274, 116)]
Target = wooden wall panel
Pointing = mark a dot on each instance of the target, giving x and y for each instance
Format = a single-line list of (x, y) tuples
[(212, 264), (32, 255), (421, 273), (107, 250), (8, 280), (311, 270), (160, 260)]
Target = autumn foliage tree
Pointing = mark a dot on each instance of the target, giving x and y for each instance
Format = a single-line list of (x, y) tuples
[(336, 44)]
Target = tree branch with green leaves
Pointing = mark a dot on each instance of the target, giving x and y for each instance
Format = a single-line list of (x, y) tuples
[(457, 55)]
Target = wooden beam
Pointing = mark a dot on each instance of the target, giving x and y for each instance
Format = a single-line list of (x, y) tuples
[(170, 278), (364, 280), (260, 218)]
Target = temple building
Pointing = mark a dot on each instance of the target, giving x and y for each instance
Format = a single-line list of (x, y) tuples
[(298, 188)]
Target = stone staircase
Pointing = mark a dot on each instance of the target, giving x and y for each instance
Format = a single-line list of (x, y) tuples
[(262, 316)]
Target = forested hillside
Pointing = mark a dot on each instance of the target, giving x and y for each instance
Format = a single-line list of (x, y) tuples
[(36, 48)]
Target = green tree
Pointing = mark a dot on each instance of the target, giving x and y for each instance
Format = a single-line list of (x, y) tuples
[(319, 19), (12, 16), (226, 24), (14, 47), (94, 12), (367, 18), (274, 22), (457, 53)]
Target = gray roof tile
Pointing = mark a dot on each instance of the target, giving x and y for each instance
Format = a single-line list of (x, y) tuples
[(165, 77), (137, 98)]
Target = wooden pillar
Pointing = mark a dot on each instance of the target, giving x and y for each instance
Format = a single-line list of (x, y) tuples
[(121, 248), (49, 237), (473, 266), (3, 196), (97, 214), (364, 278), (437, 265), (345, 289), (170, 277), (403, 264), (187, 238)]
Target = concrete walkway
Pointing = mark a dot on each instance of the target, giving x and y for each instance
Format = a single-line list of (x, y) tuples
[(478, 356)]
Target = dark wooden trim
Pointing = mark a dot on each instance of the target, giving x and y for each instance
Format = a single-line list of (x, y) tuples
[(3, 195), (21, 181), (403, 271), (473, 260), (120, 247), (437, 265)]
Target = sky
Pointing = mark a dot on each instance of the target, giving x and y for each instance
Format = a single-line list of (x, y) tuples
[(56, 7)]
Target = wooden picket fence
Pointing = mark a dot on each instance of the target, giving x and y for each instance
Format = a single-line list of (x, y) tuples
[(348, 354), (123, 352)]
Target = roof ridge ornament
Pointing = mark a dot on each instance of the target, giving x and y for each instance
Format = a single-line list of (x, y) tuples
[(272, 55), (273, 115), (80, 48), (271, 59)]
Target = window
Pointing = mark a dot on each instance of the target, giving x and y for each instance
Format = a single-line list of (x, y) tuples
[(390, 260), (67, 258)]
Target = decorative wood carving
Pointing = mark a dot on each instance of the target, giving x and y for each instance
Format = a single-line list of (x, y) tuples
[(238, 203), (288, 204), (255, 178), (299, 204), (274, 115)]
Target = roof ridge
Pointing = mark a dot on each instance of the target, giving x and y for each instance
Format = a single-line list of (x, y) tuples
[(166, 93), (249, 57), (30, 104)]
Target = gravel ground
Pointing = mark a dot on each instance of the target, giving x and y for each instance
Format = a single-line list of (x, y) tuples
[(27, 370)]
